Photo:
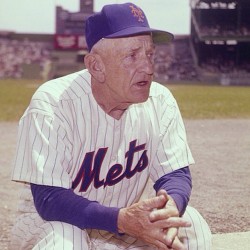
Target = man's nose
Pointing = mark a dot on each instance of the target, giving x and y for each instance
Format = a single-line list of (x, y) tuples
[(148, 65)]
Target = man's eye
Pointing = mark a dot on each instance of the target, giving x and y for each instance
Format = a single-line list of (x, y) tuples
[(151, 55), (132, 55)]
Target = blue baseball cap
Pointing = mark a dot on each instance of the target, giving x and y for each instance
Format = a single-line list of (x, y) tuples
[(121, 20)]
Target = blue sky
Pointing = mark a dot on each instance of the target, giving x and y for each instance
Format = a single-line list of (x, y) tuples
[(38, 16)]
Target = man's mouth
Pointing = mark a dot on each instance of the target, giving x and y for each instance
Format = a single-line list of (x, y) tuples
[(142, 83)]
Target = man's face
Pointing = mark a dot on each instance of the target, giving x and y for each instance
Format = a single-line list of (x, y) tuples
[(129, 68)]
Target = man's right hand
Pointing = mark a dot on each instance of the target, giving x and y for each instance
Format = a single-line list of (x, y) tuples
[(135, 221)]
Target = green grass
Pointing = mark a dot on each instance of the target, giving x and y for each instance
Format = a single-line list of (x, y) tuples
[(196, 101), (212, 102), (14, 97)]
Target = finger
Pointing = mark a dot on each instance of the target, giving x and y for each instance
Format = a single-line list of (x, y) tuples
[(170, 236), (165, 194), (162, 192), (154, 203), (172, 222), (162, 243), (164, 213), (161, 246), (157, 238), (178, 245), (170, 200), (162, 238)]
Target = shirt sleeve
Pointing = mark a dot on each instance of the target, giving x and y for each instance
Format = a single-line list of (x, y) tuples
[(178, 185), (173, 151), (78, 211), (43, 153)]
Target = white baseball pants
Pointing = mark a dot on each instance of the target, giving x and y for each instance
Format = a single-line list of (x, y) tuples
[(31, 232)]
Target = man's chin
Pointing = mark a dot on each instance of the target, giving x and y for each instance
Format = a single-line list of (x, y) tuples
[(141, 98)]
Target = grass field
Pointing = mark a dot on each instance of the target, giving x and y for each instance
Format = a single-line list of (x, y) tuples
[(212, 101), (14, 97), (196, 101)]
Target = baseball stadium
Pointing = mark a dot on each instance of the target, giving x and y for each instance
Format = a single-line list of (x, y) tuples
[(208, 72)]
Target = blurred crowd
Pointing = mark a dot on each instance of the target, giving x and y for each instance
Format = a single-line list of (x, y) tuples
[(208, 4), (228, 30), (14, 53), (219, 64), (172, 62), (175, 62)]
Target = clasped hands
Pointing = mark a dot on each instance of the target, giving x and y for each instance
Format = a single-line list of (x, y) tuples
[(155, 221)]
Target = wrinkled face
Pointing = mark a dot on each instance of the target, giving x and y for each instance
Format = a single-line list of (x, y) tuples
[(129, 68)]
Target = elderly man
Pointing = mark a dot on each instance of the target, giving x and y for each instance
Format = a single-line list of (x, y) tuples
[(89, 142)]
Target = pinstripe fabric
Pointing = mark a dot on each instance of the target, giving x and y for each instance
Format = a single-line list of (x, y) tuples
[(64, 131), (63, 123), (198, 236), (31, 232)]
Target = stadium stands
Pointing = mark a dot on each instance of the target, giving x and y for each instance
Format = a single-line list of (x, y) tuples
[(220, 35), (175, 62), (172, 62), (15, 53), (218, 46)]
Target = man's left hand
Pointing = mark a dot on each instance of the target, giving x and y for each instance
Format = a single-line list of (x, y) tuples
[(168, 214)]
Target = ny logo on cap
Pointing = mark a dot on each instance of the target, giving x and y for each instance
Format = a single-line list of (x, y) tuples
[(137, 12)]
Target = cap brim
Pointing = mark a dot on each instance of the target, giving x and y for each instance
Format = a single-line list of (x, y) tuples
[(159, 36)]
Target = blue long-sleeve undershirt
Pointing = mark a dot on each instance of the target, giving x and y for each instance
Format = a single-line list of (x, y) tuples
[(60, 204), (178, 185)]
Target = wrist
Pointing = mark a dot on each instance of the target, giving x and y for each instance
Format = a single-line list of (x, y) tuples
[(120, 221), (171, 202)]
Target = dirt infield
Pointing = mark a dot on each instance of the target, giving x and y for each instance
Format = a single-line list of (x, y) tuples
[(221, 175)]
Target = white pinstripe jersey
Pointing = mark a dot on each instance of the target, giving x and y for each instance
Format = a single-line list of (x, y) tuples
[(65, 139)]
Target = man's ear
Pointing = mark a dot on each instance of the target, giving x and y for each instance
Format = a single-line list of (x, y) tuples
[(95, 66)]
